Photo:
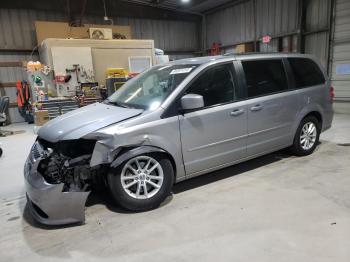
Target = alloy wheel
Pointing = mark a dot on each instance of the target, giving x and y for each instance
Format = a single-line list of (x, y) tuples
[(308, 136), (142, 177)]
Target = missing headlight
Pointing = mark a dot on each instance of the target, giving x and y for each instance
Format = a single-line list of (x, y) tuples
[(69, 163)]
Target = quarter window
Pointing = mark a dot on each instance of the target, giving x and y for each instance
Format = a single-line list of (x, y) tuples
[(306, 72), (216, 85), (264, 77)]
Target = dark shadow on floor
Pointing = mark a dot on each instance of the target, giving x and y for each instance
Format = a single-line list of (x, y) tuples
[(27, 216), (104, 197), (229, 171)]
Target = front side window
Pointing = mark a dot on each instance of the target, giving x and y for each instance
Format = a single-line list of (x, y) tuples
[(264, 77), (216, 85), (306, 72), (149, 89)]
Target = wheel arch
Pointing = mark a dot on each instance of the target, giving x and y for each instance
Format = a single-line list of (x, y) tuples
[(317, 115), (313, 111), (128, 153)]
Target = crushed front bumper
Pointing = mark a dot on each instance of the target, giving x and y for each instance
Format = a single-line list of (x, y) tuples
[(47, 202)]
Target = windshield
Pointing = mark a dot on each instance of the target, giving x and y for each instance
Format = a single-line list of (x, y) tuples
[(151, 88)]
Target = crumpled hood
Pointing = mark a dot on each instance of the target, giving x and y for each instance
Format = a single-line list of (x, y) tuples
[(82, 121)]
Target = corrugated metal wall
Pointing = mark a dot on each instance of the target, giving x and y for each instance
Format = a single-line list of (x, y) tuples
[(341, 51), (317, 45), (317, 19), (17, 32), (235, 24), (317, 14), (232, 25), (276, 17)]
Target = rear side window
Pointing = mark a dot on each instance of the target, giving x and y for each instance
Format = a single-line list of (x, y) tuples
[(264, 77), (306, 72)]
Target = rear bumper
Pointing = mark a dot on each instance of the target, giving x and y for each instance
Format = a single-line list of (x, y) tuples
[(48, 203)]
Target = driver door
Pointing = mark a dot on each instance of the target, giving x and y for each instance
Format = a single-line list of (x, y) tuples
[(215, 135)]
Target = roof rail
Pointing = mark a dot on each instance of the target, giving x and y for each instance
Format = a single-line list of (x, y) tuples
[(258, 53)]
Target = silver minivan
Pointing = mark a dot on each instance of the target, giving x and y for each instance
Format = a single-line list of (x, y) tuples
[(173, 122)]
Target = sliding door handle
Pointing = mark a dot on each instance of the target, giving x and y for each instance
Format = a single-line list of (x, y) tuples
[(237, 112), (257, 107)]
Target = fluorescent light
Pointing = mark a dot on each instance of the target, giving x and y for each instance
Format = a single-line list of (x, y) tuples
[(185, 1)]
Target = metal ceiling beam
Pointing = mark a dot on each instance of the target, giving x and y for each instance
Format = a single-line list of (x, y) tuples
[(162, 5), (115, 8), (157, 2), (224, 6)]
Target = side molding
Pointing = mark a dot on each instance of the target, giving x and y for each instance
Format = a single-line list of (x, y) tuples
[(135, 152)]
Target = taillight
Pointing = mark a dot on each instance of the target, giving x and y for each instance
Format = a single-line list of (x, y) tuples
[(331, 92)]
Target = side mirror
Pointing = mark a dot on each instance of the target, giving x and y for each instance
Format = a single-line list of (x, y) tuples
[(191, 102)]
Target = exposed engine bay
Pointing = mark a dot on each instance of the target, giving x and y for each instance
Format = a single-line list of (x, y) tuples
[(68, 162)]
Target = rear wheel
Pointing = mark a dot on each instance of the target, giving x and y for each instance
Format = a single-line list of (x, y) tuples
[(142, 182), (307, 136)]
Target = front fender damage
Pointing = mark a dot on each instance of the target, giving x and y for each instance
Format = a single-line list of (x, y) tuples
[(107, 150), (59, 182)]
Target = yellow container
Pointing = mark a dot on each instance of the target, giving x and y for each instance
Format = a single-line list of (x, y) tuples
[(116, 72)]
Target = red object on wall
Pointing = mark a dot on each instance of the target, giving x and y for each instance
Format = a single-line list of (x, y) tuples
[(59, 78), (266, 39), (23, 93), (215, 49)]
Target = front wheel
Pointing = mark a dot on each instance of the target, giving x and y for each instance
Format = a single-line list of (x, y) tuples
[(306, 137), (142, 182)]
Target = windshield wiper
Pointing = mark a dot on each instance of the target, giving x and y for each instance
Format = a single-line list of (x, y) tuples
[(116, 103)]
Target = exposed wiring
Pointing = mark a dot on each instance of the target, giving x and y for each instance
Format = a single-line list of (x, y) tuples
[(104, 7), (31, 54), (106, 18)]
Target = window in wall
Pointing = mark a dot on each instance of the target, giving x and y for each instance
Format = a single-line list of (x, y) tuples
[(216, 85), (306, 72), (264, 77)]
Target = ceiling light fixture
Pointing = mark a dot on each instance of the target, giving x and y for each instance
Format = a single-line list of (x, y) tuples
[(185, 1)]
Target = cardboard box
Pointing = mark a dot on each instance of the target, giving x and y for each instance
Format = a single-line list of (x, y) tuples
[(244, 48), (41, 117), (45, 29)]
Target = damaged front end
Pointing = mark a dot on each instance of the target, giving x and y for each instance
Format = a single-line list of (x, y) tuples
[(59, 178)]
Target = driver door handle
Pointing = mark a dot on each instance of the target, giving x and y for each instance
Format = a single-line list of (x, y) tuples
[(237, 112), (257, 107)]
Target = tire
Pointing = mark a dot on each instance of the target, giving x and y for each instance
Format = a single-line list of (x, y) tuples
[(134, 197), (300, 146)]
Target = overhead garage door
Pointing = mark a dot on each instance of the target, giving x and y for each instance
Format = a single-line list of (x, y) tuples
[(341, 51)]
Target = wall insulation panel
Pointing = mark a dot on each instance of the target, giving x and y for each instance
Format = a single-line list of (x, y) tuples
[(235, 24), (231, 25), (18, 31)]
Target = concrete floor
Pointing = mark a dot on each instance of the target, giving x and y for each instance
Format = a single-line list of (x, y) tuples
[(274, 208)]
